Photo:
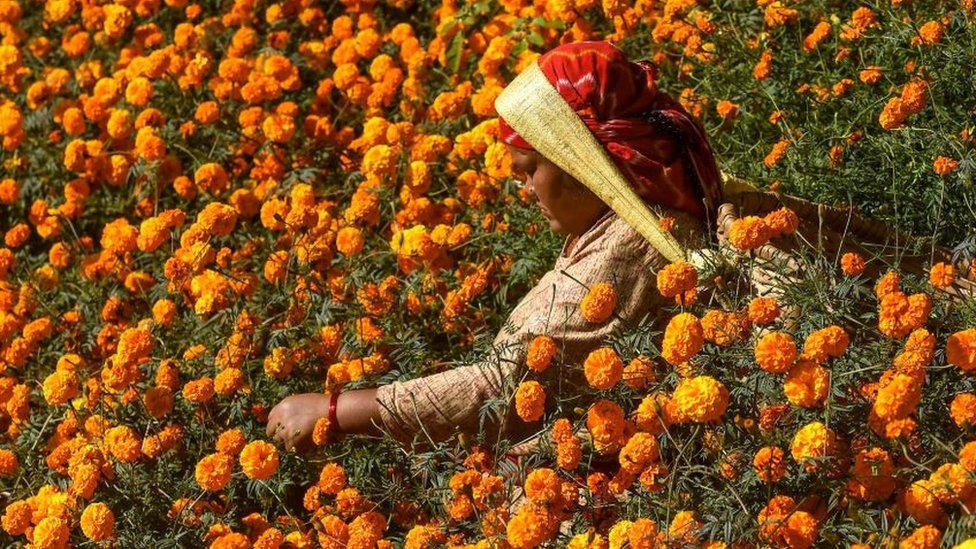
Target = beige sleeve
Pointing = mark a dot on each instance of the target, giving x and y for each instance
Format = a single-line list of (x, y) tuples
[(437, 406)]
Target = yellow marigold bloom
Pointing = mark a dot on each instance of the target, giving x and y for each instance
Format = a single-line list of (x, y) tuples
[(598, 303), (775, 352), (530, 400), (683, 338), (98, 522), (279, 362), (677, 278), (807, 384), (942, 275), (51, 533), (259, 460), (498, 161), (60, 387), (763, 310), (603, 368), (770, 463), (540, 353), (700, 399), (813, 440), (213, 471), (961, 349), (944, 165), (748, 233)]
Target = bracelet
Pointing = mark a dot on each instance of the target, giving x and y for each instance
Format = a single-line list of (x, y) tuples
[(333, 421)]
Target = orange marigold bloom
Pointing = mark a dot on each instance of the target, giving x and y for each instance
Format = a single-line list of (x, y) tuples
[(749, 232), (603, 368), (640, 451), (60, 387), (199, 390), (605, 422), (872, 475), (231, 442), (829, 342), (350, 241), (531, 526), (852, 264), (213, 471), (332, 478), (541, 351), (775, 352), (777, 152), (919, 501), (598, 303), (683, 338), (963, 409), (677, 278), (700, 399), (943, 165), (807, 384), (211, 177), (961, 349), (259, 460), (942, 275), (530, 400), (770, 463), (763, 310), (98, 522), (724, 328), (783, 221), (639, 372), (813, 440), (51, 533), (8, 463), (123, 443)]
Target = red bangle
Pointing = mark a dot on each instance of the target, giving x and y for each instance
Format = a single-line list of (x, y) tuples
[(333, 421)]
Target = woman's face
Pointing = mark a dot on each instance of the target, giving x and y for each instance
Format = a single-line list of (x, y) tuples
[(569, 206)]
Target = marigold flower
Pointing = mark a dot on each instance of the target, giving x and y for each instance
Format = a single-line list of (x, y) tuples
[(700, 399), (531, 526), (8, 463), (676, 278), (944, 165), (332, 478), (603, 368), (723, 328), (852, 264), (598, 303), (231, 442), (213, 471), (813, 440), (605, 422), (829, 342), (639, 451), (748, 233), (50, 533), (942, 275), (259, 460), (123, 443), (60, 387), (775, 352), (806, 384), (530, 400), (683, 338), (541, 351), (639, 372), (961, 349), (919, 501), (783, 221), (98, 522), (763, 310), (770, 463)]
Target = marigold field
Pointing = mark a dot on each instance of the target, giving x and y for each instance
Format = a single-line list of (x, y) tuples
[(209, 206)]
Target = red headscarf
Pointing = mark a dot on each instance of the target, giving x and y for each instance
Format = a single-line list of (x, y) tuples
[(644, 130)]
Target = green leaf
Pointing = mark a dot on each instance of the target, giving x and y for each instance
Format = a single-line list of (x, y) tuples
[(536, 39), (454, 53)]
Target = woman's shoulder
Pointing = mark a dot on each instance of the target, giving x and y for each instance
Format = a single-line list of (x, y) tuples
[(623, 239)]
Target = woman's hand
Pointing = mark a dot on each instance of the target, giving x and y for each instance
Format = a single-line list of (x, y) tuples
[(291, 421)]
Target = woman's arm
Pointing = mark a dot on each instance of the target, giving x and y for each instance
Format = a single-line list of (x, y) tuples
[(292, 420)]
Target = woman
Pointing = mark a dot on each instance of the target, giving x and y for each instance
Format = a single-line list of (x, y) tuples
[(607, 156)]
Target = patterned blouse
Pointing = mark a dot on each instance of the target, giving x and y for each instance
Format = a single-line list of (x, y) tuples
[(438, 406)]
